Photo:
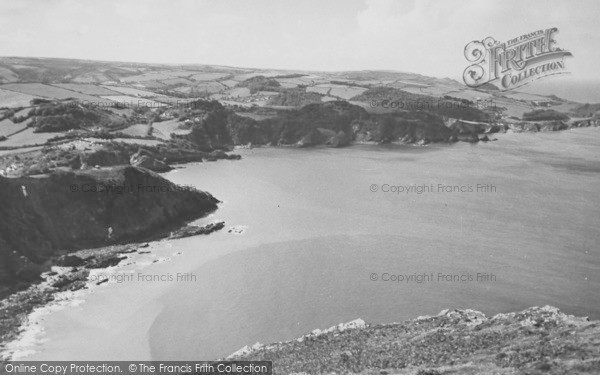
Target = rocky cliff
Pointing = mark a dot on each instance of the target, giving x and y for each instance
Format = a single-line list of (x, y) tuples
[(73, 210), (533, 341)]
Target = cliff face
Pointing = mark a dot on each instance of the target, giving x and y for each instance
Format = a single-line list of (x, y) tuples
[(68, 211), (533, 341), (339, 123), (335, 124)]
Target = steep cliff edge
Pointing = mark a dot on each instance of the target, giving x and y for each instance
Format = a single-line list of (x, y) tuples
[(534, 341), (73, 210)]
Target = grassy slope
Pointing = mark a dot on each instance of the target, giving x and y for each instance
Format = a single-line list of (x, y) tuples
[(534, 341)]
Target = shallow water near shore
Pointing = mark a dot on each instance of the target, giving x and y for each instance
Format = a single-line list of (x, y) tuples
[(321, 247)]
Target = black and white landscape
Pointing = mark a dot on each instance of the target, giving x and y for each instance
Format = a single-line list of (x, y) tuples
[(307, 183)]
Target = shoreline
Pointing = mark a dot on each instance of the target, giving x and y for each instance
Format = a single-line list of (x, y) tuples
[(29, 306), (149, 311), (67, 284)]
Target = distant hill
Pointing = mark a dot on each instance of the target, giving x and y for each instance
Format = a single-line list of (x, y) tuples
[(47, 102)]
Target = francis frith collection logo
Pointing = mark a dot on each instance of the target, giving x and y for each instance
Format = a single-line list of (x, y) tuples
[(516, 62)]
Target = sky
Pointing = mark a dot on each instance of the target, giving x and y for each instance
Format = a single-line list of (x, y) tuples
[(420, 36)]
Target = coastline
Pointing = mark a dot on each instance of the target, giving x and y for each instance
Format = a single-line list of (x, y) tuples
[(29, 307), (154, 308), (27, 332)]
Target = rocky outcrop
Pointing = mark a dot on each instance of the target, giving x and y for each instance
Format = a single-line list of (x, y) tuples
[(195, 230), (340, 139), (72, 274), (313, 138), (74, 210), (534, 341), (145, 159), (221, 155)]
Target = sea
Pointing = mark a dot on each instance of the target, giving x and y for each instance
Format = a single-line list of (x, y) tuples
[(577, 90), (316, 237)]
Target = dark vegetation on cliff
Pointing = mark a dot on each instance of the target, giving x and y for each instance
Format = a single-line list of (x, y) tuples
[(295, 97), (338, 123), (446, 106), (40, 217), (534, 341), (58, 117), (544, 115), (260, 83), (214, 128), (335, 123)]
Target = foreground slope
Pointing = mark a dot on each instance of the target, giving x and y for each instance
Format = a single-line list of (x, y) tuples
[(533, 341)]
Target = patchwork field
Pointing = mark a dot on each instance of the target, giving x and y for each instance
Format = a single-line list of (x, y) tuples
[(27, 138), (177, 81), (229, 83), (133, 85), (415, 90), (254, 116), (19, 150), (174, 101), (319, 90), (184, 89), (133, 91), (245, 76), (513, 108), (92, 78), (159, 75), (293, 82), (208, 76), (137, 130), (287, 85), (23, 112), (131, 101), (180, 73), (87, 89), (164, 129), (469, 95), (155, 76), (8, 127), (13, 99), (231, 102), (7, 75), (46, 91), (153, 84), (346, 92), (210, 87), (523, 96), (239, 92)]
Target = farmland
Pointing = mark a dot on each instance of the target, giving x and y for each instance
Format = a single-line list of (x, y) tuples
[(46, 91), (346, 92), (164, 129), (323, 90), (132, 101), (7, 76), (208, 76), (137, 130), (13, 99), (27, 138), (8, 127), (177, 81), (87, 89), (134, 94), (132, 91)]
